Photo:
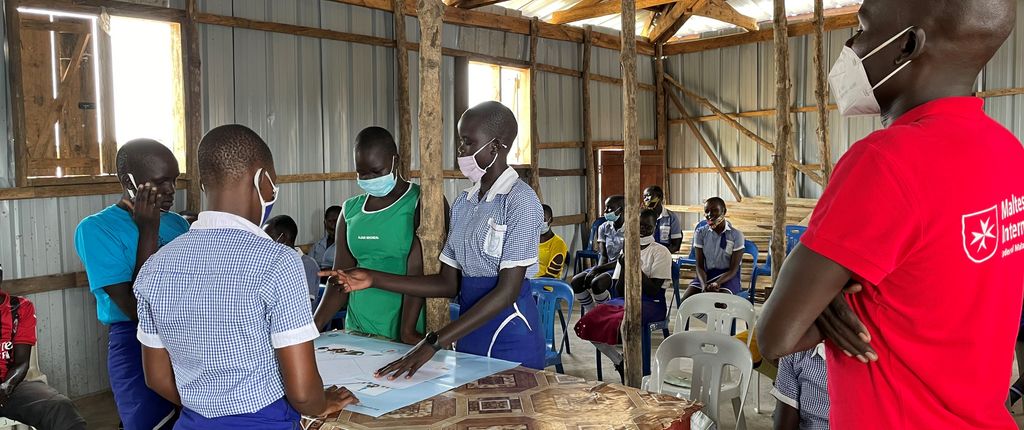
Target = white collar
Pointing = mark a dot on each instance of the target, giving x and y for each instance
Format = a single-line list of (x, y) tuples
[(502, 185), (728, 226), (819, 350), (214, 220), (664, 212)]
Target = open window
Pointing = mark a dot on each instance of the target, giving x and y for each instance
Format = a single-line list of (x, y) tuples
[(90, 83), (511, 87)]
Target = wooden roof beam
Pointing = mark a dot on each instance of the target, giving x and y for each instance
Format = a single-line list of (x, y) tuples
[(473, 4), (835, 19), (669, 23), (610, 7), (722, 11)]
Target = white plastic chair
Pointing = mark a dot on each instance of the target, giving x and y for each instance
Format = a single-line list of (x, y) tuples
[(710, 353)]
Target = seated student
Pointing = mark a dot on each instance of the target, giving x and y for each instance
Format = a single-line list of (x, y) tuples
[(552, 249), (324, 250), (719, 253), (29, 402), (801, 387), (283, 230), (602, 325), (591, 286), (223, 311), (669, 231), (377, 231)]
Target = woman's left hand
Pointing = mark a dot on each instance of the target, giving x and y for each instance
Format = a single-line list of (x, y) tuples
[(409, 363)]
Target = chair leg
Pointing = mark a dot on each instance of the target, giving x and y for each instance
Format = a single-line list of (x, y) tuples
[(559, 369), (737, 409), (600, 375), (565, 332), (757, 393), (665, 332)]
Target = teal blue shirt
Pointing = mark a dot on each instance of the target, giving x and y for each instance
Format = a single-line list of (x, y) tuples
[(107, 243)]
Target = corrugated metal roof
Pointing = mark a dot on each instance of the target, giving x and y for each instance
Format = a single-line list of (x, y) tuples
[(761, 10)]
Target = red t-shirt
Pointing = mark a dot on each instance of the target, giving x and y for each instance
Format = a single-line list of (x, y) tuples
[(929, 214), (23, 334)]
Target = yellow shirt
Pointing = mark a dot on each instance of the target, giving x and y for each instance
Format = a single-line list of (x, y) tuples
[(548, 251)]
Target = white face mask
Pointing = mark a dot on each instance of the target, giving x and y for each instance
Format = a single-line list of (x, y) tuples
[(265, 205), (544, 228), (850, 85), (646, 240)]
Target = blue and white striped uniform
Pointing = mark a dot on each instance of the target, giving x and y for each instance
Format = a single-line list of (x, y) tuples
[(221, 298), (486, 236)]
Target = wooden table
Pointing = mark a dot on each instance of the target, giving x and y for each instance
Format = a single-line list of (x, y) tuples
[(527, 399)]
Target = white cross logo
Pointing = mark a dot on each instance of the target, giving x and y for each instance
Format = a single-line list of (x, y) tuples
[(981, 237)]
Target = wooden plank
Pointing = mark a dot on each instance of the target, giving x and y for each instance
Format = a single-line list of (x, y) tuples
[(671, 22), (784, 127), (838, 19), (17, 106), (552, 173), (108, 139), (731, 169), (119, 8), (610, 7), (193, 105), (534, 132), (560, 145), (707, 149), (821, 92), (37, 22), (473, 4), (42, 284), (661, 116), (431, 146), (557, 70), (722, 11), (404, 110), (40, 192), (813, 175), (298, 30), (588, 144), (633, 322), (559, 221), (64, 89)]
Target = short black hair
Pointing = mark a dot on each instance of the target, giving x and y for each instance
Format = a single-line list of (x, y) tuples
[(226, 153), (285, 224), (377, 138), (716, 200), (547, 210), (495, 120), (618, 198), (649, 213), (655, 189), (332, 209), (137, 152)]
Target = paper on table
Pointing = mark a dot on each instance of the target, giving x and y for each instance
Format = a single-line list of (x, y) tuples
[(430, 370)]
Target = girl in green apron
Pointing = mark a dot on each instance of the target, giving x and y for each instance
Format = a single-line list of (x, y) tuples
[(377, 231)]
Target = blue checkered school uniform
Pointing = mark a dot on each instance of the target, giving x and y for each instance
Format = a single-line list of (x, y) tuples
[(221, 298), (486, 236), (802, 383)]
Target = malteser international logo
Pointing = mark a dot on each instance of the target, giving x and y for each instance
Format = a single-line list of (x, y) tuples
[(979, 233), (999, 229)]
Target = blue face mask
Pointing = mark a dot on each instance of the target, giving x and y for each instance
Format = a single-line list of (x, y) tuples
[(381, 185), (611, 216)]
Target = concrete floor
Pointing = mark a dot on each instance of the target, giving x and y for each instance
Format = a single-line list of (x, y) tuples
[(100, 412)]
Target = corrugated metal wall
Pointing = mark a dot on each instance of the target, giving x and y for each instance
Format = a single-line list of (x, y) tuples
[(742, 78), (308, 98)]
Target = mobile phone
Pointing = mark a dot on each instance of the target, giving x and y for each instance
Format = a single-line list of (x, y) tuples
[(131, 193)]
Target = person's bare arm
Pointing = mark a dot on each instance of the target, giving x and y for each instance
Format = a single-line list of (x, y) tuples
[(702, 274), (555, 266), (20, 355), (734, 268), (156, 367), (412, 305), (145, 211), (123, 296), (335, 298), (303, 387), (786, 417), (675, 244), (807, 286)]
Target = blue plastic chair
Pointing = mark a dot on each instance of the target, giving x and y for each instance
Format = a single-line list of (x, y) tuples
[(793, 235), (548, 293), (750, 248), (588, 252), (692, 258), (453, 311)]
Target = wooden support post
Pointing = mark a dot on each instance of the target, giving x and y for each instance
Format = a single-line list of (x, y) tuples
[(632, 325), (739, 127), (588, 144), (784, 128), (17, 94), (821, 91), (404, 114), (431, 139), (707, 148), (108, 140), (661, 110), (193, 106), (460, 92), (534, 134)]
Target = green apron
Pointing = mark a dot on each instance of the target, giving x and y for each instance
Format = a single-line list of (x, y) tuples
[(380, 241)]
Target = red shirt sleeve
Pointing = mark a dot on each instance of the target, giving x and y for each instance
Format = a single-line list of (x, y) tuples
[(865, 220), (26, 334)]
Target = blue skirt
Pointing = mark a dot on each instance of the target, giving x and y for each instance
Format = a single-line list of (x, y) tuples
[(279, 415), (138, 406), (513, 335), (733, 285)]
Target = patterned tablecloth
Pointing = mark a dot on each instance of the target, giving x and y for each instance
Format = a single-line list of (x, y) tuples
[(526, 399)]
